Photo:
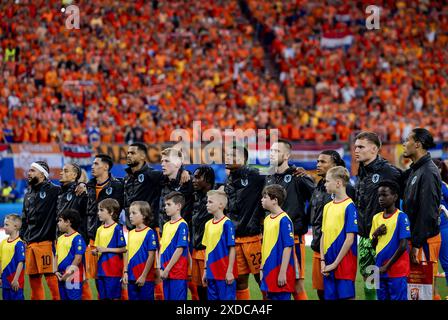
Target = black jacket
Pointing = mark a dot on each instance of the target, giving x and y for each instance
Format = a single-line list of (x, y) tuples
[(186, 189), (39, 213), (243, 187), (366, 187), (421, 201), (199, 219), (143, 185), (299, 190), (318, 201), (113, 189), (69, 200)]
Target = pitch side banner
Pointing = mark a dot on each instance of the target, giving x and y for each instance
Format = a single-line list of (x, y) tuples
[(25, 154)]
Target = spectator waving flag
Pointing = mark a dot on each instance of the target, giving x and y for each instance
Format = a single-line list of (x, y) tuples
[(79, 154), (332, 40)]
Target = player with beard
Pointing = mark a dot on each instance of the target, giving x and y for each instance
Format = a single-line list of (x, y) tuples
[(243, 187), (39, 230), (298, 190), (203, 182), (143, 183)]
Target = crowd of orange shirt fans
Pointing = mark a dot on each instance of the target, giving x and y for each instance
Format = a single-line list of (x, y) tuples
[(137, 70)]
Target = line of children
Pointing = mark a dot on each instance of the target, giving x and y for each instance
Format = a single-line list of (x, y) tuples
[(134, 265)]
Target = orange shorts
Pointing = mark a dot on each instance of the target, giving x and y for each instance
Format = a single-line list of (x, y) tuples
[(318, 278), (299, 257), (248, 254), (198, 265), (40, 258), (430, 252), (157, 257), (91, 261)]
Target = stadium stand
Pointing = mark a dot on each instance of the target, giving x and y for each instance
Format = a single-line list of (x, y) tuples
[(387, 80), (173, 62)]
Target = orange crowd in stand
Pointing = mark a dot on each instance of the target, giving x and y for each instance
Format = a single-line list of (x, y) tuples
[(137, 70)]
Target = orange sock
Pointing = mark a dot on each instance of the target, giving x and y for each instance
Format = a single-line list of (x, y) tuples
[(86, 292), (52, 282), (37, 288), (300, 296), (194, 290), (243, 294), (158, 291), (124, 294)]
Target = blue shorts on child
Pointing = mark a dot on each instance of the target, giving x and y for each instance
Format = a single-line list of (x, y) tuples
[(109, 288), (145, 292), (175, 289), (337, 289), (70, 291), (393, 289), (278, 295), (11, 295), (220, 290)]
